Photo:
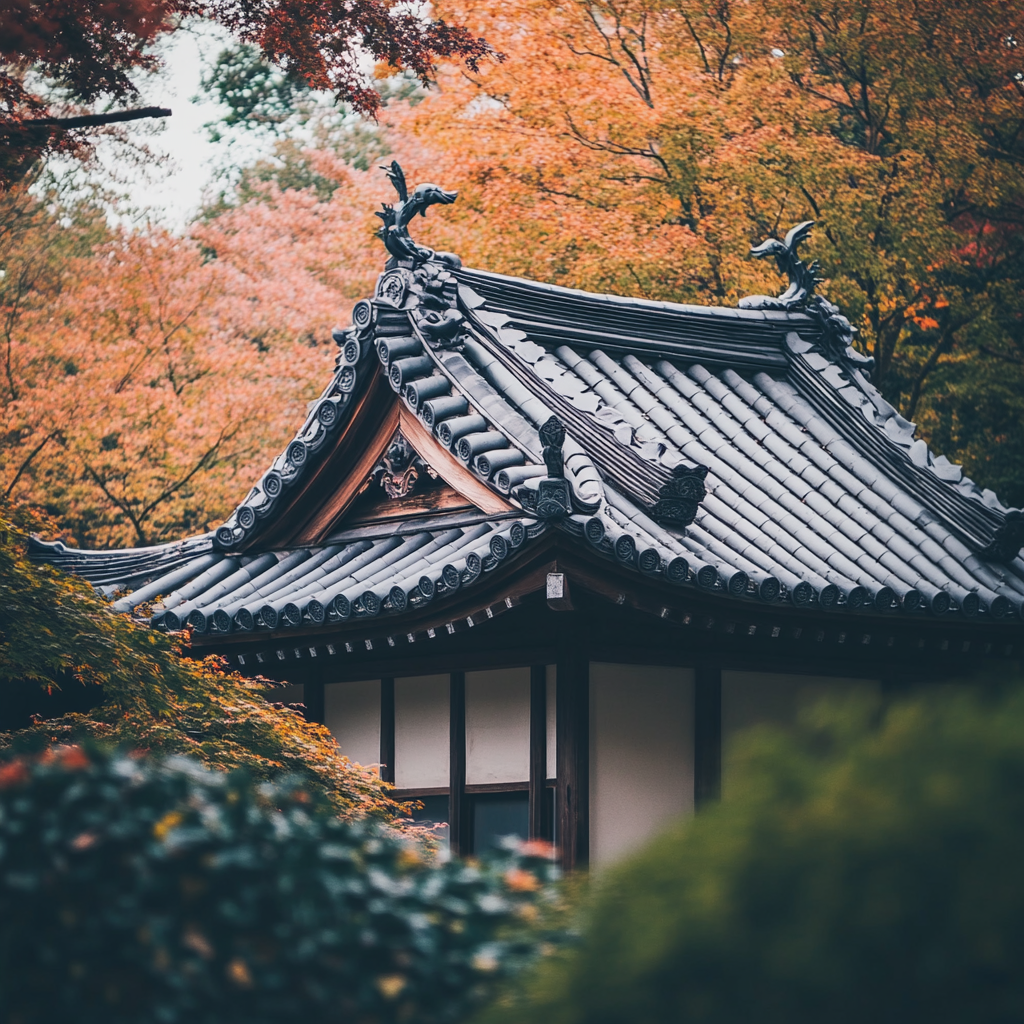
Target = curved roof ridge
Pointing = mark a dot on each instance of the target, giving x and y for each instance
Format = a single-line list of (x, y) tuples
[(728, 312)]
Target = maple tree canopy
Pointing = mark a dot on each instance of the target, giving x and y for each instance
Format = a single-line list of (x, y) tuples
[(88, 52)]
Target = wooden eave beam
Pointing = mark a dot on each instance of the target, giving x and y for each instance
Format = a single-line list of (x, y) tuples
[(373, 416), (448, 468), (529, 634)]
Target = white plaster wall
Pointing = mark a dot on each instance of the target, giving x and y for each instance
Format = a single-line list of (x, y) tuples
[(352, 713), (421, 732), (641, 755), (498, 726), (552, 683), (756, 698)]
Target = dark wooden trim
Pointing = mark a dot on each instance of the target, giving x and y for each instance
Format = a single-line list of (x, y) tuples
[(380, 509), (497, 642), (387, 730), (423, 663), (707, 735), (415, 794), (572, 698), (447, 467), (475, 789), (805, 656), (790, 662), (320, 522), (344, 667), (349, 451), (313, 698), (457, 819), (540, 827)]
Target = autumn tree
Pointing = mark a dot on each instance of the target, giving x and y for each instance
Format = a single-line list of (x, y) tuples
[(60, 58), (640, 147), (133, 688), (630, 147), (146, 379)]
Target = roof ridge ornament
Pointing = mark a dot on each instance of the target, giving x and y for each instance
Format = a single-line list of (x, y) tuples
[(549, 497), (837, 331), (803, 277), (1008, 539), (679, 497), (395, 230), (836, 344)]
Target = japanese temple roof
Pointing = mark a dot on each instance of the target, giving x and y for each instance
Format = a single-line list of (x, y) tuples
[(742, 453)]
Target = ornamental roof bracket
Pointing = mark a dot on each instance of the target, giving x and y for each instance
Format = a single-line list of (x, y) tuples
[(837, 332), (400, 468), (1008, 540), (679, 497)]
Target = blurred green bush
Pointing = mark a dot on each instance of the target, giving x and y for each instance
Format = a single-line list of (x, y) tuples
[(158, 891), (869, 868), (135, 687)]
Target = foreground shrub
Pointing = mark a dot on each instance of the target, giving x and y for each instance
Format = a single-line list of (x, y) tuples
[(135, 891), (58, 635), (863, 871)]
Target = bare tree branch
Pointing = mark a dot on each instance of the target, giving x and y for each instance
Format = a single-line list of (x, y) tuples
[(95, 120), (28, 461)]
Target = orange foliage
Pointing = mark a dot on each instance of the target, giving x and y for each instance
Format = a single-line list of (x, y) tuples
[(146, 381), (638, 147), (629, 146)]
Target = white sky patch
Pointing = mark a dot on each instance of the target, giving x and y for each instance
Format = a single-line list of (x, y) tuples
[(183, 166), (186, 156), (187, 162)]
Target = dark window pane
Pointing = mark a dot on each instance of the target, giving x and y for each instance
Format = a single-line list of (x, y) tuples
[(433, 812), (499, 814)]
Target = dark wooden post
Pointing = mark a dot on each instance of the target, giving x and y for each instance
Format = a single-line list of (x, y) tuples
[(313, 698), (707, 735), (572, 701), (540, 827), (457, 823), (387, 730)]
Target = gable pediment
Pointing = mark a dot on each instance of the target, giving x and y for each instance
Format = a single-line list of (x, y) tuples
[(364, 480)]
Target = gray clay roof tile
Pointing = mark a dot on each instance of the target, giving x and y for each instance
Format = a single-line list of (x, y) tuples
[(815, 486)]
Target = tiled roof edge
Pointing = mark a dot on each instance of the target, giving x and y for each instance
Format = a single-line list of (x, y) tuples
[(835, 378), (323, 421), (848, 401)]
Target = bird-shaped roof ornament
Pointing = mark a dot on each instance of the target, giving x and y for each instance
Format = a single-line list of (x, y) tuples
[(395, 230), (836, 330), (802, 277)]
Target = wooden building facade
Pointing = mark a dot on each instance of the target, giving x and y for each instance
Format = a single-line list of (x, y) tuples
[(540, 552)]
